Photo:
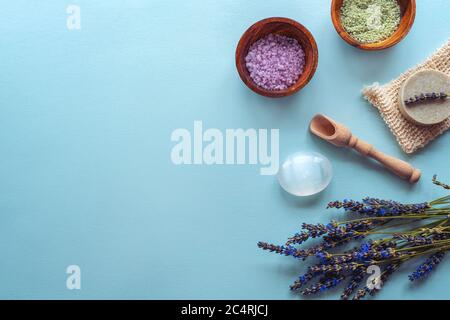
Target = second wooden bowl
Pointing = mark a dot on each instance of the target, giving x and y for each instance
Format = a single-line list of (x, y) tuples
[(285, 27), (408, 12)]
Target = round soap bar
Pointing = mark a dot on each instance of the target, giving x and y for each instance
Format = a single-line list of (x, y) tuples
[(427, 112), (305, 173)]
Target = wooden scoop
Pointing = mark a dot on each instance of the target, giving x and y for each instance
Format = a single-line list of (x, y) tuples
[(339, 135)]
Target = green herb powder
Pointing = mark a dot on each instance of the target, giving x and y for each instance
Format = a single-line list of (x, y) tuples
[(370, 21)]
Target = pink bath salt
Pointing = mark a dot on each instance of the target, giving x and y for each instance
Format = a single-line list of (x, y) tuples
[(275, 62)]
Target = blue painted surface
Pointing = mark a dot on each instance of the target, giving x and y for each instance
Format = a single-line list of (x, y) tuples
[(85, 170)]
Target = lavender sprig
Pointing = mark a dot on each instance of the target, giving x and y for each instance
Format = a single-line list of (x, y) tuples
[(431, 235), (357, 277), (429, 265), (378, 208), (426, 97), (389, 270), (438, 183), (324, 285)]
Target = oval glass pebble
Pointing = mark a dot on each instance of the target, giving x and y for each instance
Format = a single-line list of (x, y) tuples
[(305, 173)]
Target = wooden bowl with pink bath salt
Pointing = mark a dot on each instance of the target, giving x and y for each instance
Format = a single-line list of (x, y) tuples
[(407, 12), (282, 27)]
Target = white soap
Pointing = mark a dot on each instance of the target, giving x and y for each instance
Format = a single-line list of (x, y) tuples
[(305, 173), (428, 112)]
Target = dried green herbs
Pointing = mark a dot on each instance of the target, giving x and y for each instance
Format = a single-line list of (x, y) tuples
[(369, 21)]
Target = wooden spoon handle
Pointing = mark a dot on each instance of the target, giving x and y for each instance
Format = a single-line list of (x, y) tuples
[(399, 167)]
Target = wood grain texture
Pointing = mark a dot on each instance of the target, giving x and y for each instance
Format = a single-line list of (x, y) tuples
[(285, 27), (408, 12), (340, 136)]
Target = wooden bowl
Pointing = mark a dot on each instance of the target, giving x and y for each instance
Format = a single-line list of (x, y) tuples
[(408, 12), (285, 27)]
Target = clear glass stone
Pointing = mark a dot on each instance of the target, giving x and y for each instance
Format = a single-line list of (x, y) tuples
[(305, 173)]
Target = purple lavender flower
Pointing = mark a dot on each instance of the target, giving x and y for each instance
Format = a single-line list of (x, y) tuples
[(302, 280), (271, 247), (361, 293), (298, 238), (323, 256), (312, 231), (333, 268), (340, 235), (429, 265), (324, 285), (379, 208), (357, 277), (389, 253), (438, 183), (415, 240), (387, 272), (284, 250)]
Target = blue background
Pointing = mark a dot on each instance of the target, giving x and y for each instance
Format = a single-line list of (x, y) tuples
[(85, 171)]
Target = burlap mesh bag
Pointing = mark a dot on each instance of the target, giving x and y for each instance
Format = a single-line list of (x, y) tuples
[(411, 137)]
